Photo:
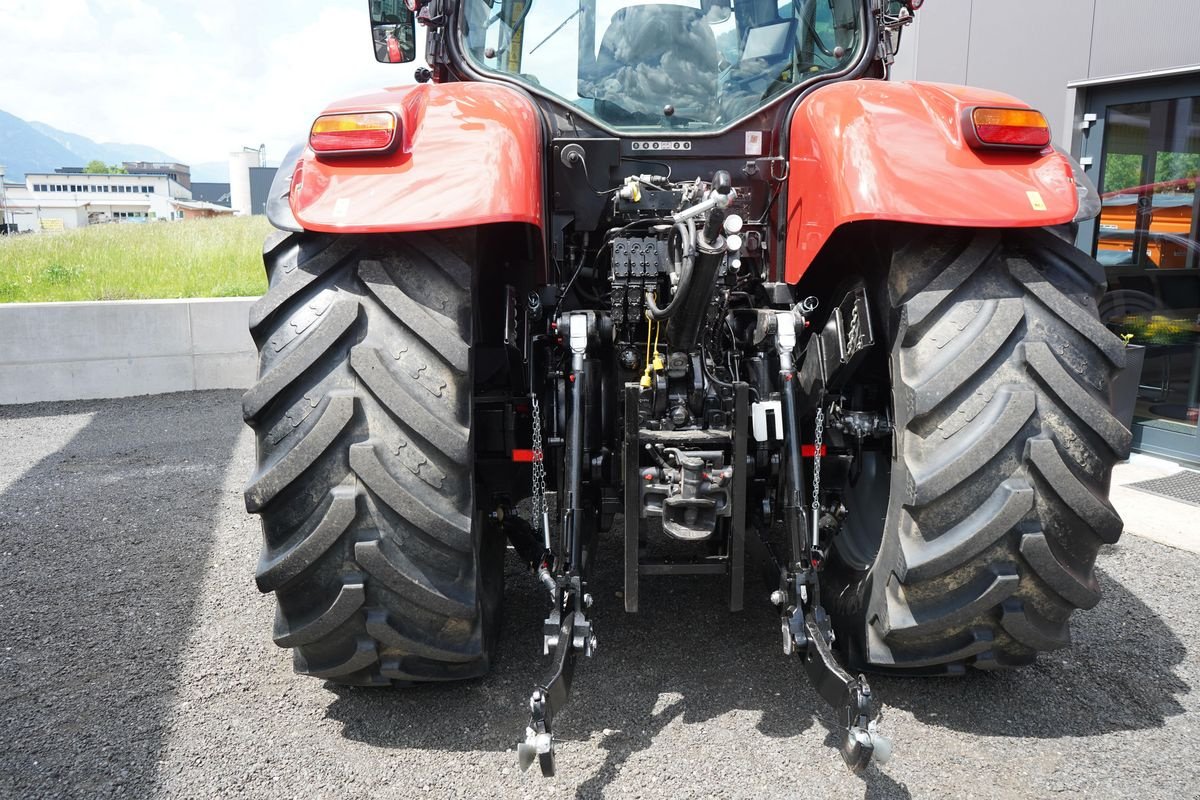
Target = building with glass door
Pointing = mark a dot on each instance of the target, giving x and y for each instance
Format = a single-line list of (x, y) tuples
[(1120, 82)]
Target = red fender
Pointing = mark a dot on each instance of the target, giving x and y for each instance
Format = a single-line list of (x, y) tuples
[(872, 150), (469, 154)]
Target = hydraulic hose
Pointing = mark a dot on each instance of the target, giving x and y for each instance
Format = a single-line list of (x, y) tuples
[(699, 275), (683, 331), (685, 266)]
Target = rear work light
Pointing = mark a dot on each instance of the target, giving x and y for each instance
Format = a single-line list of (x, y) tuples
[(354, 134), (1020, 128)]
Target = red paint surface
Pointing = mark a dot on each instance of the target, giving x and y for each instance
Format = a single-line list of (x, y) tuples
[(873, 150), (469, 154)]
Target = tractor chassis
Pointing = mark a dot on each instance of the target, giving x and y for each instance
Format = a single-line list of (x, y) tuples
[(831, 355)]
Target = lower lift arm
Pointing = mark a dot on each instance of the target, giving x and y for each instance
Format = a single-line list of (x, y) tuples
[(806, 624)]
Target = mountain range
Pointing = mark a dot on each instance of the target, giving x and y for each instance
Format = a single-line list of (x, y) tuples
[(36, 147)]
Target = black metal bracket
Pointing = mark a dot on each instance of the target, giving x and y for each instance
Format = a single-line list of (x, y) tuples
[(849, 695), (572, 634), (833, 354), (734, 562)]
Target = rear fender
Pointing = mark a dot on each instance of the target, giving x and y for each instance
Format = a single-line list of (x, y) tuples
[(873, 150), (468, 154)]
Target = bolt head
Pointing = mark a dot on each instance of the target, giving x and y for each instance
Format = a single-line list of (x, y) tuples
[(778, 597)]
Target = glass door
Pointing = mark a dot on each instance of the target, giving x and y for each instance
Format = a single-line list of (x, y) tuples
[(1145, 150)]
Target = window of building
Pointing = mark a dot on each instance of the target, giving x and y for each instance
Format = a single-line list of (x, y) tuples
[(1148, 239)]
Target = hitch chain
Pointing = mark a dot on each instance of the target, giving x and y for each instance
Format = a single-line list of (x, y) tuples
[(539, 511), (818, 445)]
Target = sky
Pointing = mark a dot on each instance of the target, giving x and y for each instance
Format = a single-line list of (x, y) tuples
[(197, 80)]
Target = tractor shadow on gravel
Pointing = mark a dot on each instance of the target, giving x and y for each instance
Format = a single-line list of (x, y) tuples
[(685, 657), (1117, 676), (106, 526)]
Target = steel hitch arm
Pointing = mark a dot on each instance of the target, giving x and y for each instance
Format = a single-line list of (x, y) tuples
[(567, 631), (850, 696), (806, 626)]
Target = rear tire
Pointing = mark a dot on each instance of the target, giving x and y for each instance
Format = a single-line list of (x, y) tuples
[(382, 569), (1002, 455)]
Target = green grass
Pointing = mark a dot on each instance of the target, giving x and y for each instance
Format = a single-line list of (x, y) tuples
[(158, 260)]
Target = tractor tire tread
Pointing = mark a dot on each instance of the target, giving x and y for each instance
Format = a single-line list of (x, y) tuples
[(365, 475), (1005, 445)]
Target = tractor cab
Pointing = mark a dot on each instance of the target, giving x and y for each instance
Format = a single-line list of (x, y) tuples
[(677, 67)]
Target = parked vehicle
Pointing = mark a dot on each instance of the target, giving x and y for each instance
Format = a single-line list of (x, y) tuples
[(694, 275), (1159, 215)]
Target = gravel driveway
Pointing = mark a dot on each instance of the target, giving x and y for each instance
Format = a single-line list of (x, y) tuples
[(137, 662)]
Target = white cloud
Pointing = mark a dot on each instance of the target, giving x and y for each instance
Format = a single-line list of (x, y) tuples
[(197, 79)]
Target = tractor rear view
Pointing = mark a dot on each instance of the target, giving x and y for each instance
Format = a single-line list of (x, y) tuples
[(697, 277)]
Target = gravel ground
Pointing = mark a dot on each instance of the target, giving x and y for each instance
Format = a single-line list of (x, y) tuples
[(137, 663)]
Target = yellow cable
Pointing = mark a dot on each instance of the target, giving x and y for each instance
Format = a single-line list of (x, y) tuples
[(645, 382), (658, 363), (649, 325)]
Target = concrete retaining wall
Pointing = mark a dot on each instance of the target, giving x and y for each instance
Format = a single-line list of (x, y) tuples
[(81, 351)]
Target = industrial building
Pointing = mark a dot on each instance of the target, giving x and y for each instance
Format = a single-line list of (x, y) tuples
[(69, 199), (72, 198), (180, 173)]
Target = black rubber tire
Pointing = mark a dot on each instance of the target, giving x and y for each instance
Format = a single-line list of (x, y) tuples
[(382, 569), (1002, 456)]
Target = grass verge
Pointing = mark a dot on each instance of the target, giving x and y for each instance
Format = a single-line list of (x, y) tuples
[(157, 260)]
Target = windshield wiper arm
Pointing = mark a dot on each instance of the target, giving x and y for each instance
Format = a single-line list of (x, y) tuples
[(561, 25)]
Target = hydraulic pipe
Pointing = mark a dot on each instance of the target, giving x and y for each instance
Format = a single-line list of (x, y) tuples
[(683, 332)]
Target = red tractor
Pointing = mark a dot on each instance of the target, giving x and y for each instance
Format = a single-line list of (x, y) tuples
[(694, 275)]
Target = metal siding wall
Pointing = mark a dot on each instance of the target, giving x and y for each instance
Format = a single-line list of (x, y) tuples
[(1031, 49), (939, 53), (1145, 35)]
